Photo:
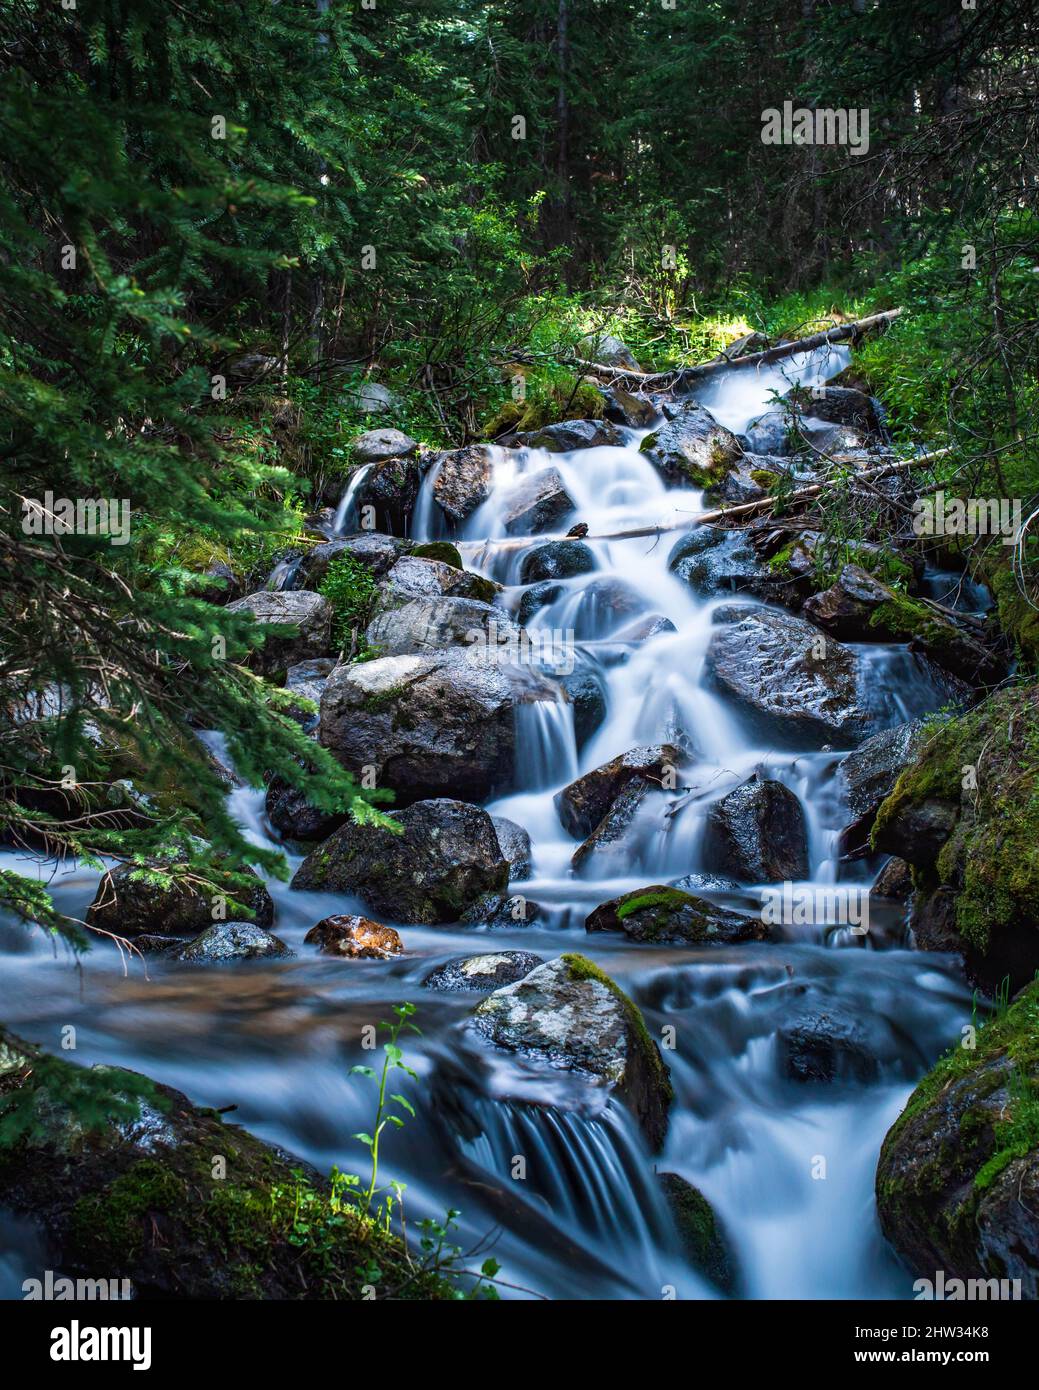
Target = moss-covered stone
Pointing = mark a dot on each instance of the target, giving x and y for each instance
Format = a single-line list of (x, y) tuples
[(176, 1201), (958, 1178), (443, 551), (699, 1231), (663, 914)]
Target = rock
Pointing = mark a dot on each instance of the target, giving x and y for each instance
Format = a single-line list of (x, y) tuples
[(152, 944), (378, 554), (308, 679), (131, 907), (739, 484), (820, 1047), (625, 408), (895, 881), (515, 847), (584, 803), (958, 1177), (585, 690), (358, 938), (226, 941), (537, 503), (572, 1015), (391, 489), (372, 398), (842, 405), (293, 817), (430, 624), (309, 631), (642, 629), (483, 972), (757, 834), (569, 435), (846, 608), (537, 596), (412, 577), (446, 866), (443, 551), (556, 560), (692, 449), (699, 1231), (792, 681), (868, 776), (126, 1192), (606, 602), (516, 911), (222, 586), (254, 366), (378, 445), (662, 914), (607, 350), (463, 481), (712, 561), (608, 849), (431, 724), (963, 814)]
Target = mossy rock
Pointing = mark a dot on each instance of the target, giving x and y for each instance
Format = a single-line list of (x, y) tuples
[(958, 1177), (663, 914), (699, 1231), (133, 1180), (443, 551), (965, 814)]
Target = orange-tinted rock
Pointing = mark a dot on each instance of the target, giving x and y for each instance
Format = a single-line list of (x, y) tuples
[(356, 937)]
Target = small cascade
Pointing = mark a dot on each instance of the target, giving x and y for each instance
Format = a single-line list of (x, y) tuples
[(347, 510)]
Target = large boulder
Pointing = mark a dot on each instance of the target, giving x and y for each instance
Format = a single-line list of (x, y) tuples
[(376, 446), (429, 624), (293, 817), (757, 834), (692, 449), (713, 561), (823, 1047), (958, 1178), (131, 906), (354, 938), (537, 503), (607, 349), (430, 724), (371, 398), (964, 815), (462, 481), (117, 1171), (484, 973), (584, 803), (228, 941), (391, 489), (305, 620), (307, 679), (793, 682), (585, 690), (614, 843), (842, 405), (569, 435), (868, 776), (413, 576), (664, 914), (628, 408), (375, 551), (444, 864), (556, 560), (573, 1016)]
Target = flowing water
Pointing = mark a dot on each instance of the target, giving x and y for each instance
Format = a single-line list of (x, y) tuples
[(788, 1166)]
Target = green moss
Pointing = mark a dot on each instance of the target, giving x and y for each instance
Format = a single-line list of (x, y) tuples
[(699, 1231), (112, 1222), (581, 968), (764, 477), (443, 551), (483, 589)]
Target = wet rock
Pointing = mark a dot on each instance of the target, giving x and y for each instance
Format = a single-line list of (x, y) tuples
[(757, 834), (130, 907), (308, 679), (443, 551), (868, 776), (895, 881), (537, 596), (376, 552), (391, 489), (848, 606), (516, 911), (607, 349), (606, 603), (692, 449), (842, 405), (958, 1178), (152, 944), (712, 560), (539, 502), (610, 848), (573, 1016), (625, 408), (123, 1196), (739, 484), (584, 803), (822, 1047), (356, 938), (663, 914), (446, 866), (556, 560), (227, 941), (412, 577), (793, 682), (376, 446), (642, 629), (569, 435), (307, 621), (429, 624), (293, 817), (431, 724), (463, 481), (515, 847), (770, 434), (699, 1231), (585, 690), (483, 972), (919, 827)]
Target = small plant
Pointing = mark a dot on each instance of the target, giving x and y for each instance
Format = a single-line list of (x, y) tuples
[(351, 591)]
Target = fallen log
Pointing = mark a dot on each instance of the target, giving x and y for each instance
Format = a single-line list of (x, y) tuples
[(680, 376), (804, 494)]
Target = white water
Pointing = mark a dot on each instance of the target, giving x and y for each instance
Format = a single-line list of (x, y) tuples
[(788, 1167)]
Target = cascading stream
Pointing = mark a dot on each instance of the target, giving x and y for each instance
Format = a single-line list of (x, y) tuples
[(788, 1167)]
